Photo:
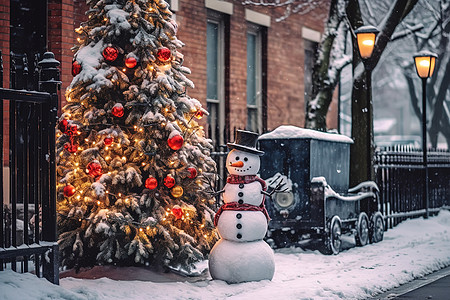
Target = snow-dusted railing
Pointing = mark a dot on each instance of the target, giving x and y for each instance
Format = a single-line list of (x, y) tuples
[(400, 177)]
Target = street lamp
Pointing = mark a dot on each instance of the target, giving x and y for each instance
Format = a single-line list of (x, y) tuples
[(365, 37), (425, 62)]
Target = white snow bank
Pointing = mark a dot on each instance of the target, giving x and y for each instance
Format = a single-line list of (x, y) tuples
[(412, 250), (293, 132)]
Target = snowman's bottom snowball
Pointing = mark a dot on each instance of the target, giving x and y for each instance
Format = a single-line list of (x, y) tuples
[(236, 262)]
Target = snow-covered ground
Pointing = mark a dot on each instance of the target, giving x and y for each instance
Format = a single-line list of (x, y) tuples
[(412, 250)]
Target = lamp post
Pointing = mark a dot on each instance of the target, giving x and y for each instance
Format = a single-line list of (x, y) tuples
[(425, 62), (365, 37)]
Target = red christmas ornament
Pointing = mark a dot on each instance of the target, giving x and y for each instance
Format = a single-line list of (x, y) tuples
[(108, 140), (192, 172), (94, 169), (63, 125), (175, 142), (169, 181), (72, 129), (69, 190), (71, 147), (76, 68), (110, 54), (130, 62), (199, 114), (151, 183), (164, 54), (177, 211), (117, 110)]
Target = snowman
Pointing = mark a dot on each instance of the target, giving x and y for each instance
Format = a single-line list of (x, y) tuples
[(241, 255)]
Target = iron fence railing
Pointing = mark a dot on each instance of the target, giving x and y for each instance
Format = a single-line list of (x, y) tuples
[(28, 175), (400, 175)]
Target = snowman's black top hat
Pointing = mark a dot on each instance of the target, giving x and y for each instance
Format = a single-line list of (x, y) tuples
[(246, 141)]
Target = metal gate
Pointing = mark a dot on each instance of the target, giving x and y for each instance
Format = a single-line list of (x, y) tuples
[(28, 192)]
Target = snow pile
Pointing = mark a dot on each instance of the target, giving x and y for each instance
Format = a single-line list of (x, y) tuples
[(412, 250), (293, 132)]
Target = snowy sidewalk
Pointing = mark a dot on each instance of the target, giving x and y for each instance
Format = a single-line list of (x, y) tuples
[(413, 249)]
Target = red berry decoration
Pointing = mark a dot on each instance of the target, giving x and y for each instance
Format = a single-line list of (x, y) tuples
[(69, 190), (94, 169), (76, 68), (108, 140), (177, 211), (164, 54), (192, 172), (175, 142), (63, 125), (169, 181), (71, 147), (117, 110), (151, 183), (130, 62), (110, 54), (72, 130)]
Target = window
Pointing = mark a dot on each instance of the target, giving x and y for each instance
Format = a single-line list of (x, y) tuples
[(310, 50), (215, 70), (254, 79)]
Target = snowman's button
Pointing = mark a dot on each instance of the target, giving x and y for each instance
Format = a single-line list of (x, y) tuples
[(239, 216), (241, 201), (239, 236), (241, 185), (240, 194), (238, 226)]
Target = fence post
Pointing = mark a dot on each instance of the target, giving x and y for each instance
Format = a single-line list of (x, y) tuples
[(49, 82)]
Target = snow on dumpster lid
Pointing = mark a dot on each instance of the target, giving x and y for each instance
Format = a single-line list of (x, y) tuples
[(293, 132)]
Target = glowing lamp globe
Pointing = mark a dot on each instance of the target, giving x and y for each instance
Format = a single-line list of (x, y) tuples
[(365, 37), (169, 181), (192, 172), (151, 183), (117, 110), (69, 190), (164, 54), (110, 54), (425, 62), (76, 68), (175, 142), (177, 191), (177, 211), (94, 169), (130, 62)]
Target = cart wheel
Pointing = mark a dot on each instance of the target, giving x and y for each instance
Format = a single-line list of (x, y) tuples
[(333, 236), (362, 230), (376, 230)]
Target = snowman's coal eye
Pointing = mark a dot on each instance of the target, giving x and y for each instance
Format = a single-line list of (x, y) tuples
[(245, 158), (237, 157)]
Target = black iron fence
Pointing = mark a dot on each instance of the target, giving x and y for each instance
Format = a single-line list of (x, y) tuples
[(28, 193), (400, 175)]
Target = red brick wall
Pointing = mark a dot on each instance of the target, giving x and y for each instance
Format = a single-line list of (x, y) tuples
[(285, 61)]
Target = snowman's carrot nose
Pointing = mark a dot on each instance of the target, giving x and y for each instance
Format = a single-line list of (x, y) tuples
[(238, 164)]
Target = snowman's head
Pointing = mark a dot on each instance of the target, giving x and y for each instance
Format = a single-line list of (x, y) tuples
[(242, 163)]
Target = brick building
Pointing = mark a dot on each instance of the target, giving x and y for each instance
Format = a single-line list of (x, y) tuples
[(249, 70)]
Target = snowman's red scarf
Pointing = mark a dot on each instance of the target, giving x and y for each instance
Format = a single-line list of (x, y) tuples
[(236, 179)]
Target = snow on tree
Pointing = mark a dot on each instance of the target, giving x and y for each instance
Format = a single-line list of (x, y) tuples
[(133, 163)]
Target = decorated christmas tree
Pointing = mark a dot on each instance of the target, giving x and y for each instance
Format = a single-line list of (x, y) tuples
[(133, 163)]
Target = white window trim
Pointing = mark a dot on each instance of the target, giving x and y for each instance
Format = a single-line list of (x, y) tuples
[(311, 34), (215, 18), (255, 29), (257, 18), (221, 6), (174, 5)]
